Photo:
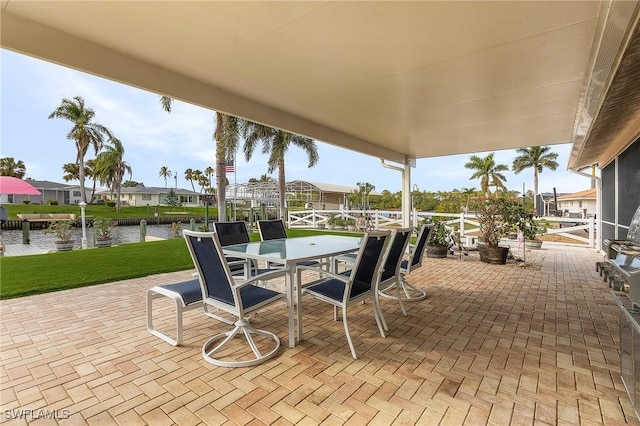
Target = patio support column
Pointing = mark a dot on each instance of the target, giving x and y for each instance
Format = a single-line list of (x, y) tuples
[(406, 193), (406, 187)]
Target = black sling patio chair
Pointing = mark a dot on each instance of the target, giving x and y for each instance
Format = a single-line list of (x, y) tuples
[(240, 299), (392, 265), (409, 293), (271, 229), (230, 233), (275, 230), (361, 283)]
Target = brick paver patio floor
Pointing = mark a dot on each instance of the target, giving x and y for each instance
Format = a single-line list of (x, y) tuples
[(491, 345)]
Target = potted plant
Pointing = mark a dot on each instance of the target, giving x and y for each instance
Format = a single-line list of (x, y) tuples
[(340, 223), (176, 229), (529, 227), (332, 221), (102, 230), (351, 224), (437, 244), (63, 231), (497, 217)]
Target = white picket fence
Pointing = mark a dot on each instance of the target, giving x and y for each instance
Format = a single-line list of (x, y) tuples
[(581, 230)]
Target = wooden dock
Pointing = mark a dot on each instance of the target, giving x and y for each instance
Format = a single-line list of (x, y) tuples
[(22, 250)]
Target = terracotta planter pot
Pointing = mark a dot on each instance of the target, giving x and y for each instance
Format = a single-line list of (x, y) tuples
[(492, 254), (436, 251)]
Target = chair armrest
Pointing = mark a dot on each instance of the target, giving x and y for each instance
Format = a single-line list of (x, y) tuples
[(323, 272), (261, 277)]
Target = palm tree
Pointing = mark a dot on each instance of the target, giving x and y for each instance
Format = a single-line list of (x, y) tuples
[(71, 172), (208, 172), (111, 167), (188, 175), (468, 193), (364, 188), (165, 173), (10, 167), (203, 182), (198, 177), (84, 132), (488, 172), (537, 157), (226, 136), (276, 143)]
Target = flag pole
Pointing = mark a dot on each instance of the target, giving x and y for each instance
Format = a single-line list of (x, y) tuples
[(235, 189)]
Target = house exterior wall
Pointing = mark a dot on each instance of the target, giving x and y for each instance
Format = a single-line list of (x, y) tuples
[(62, 196), (190, 200), (620, 192), (585, 208), (330, 201), (139, 199)]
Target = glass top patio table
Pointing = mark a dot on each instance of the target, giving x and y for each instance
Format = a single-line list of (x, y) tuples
[(294, 250), (290, 251)]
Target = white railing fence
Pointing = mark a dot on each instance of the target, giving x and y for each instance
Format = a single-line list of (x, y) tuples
[(581, 230)]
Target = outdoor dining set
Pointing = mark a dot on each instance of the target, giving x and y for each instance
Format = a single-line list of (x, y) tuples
[(236, 277)]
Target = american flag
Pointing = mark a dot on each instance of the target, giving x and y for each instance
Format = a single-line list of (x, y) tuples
[(229, 167)]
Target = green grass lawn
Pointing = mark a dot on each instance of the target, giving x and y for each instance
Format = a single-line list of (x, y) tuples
[(44, 273), (96, 210)]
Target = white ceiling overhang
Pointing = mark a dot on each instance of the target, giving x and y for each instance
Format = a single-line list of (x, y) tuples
[(389, 79)]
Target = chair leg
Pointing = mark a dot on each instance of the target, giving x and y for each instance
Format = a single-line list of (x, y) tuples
[(179, 311), (346, 331), (376, 306), (241, 326), (411, 293), (377, 313), (395, 286)]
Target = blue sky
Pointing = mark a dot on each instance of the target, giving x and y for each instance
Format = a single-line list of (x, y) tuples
[(31, 89)]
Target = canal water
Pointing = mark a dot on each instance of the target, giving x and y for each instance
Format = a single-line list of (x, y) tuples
[(121, 235)]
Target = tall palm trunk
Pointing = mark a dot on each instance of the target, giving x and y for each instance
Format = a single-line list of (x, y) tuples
[(282, 188), (220, 181), (118, 187), (80, 161), (535, 190), (93, 190)]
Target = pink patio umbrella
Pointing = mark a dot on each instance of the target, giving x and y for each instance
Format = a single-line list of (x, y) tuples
[(13, 186)]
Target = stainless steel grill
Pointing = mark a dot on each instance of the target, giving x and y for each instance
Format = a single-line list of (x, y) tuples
[(621, 267)]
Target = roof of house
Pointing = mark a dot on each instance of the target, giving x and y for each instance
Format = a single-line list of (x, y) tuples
[(152, 190), (45, 184), (580, 195), (331, 187)]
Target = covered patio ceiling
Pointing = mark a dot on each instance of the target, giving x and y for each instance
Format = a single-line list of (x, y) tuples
[(396, 80)]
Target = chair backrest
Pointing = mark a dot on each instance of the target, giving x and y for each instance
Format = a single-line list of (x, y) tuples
[(366, 270), (271, 229), (213, 271), (230, 233), (397, 247), (418, 251)]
